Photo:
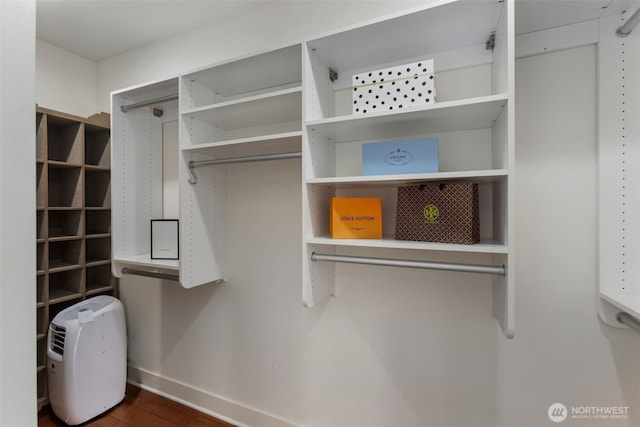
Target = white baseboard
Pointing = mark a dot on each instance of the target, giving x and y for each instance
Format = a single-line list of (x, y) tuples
[(203, 401)]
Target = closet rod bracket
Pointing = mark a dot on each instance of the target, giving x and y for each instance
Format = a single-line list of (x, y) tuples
[(628, 320)]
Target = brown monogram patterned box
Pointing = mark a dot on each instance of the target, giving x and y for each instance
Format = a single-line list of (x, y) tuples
[(442, 212)]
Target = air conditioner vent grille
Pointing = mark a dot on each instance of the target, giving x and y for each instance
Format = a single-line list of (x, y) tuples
[(58, 334)]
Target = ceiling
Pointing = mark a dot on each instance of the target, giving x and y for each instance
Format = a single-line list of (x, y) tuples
[(98, 29)]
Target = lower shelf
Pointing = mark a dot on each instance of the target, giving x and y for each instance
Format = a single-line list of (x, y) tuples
[(388, 242), (145, 260)]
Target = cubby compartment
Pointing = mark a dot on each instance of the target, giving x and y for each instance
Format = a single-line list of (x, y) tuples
[(41, 224), (97, 146), (98, 185), (41, 137), (42, 388), (243, 101), (66, 254), (461, 152), (42, 321), (41, 356), (98, 249), (97, 222), (99, 279), (463, 65), (60, 303), (41, 185), (64, 286), (248, 77), (41, 257), (65, 223), (492, 214), (65, 187), (40, 289), (273, 114), (64, 140)]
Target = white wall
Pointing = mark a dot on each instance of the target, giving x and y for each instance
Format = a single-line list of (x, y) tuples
[(65, 81), (562, 351), (17, 215)]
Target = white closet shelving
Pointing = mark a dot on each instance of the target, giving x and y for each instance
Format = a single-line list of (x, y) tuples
[(290, 100), (619, 171), (137, 173), (473, 120), (242, 108)]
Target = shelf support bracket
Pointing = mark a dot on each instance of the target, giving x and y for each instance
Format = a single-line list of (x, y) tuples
[(333, 75), (465, 268), (491, 42), (194, 164)]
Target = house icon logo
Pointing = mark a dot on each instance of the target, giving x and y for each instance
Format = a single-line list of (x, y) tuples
[(557, 412)]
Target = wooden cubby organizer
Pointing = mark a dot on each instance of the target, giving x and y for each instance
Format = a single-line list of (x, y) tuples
[(73, 219), (297, 99)]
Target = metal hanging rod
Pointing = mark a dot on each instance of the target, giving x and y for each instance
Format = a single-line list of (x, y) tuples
[(126, 108), (629, 320), (194, 164), (465, 268), (163, 276), (625, 29)]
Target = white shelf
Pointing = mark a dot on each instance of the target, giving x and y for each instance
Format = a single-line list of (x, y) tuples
[(467, 114), (259, 145), (480, 176), (242, 76), (146, 261), (388, 242), (273, 107)]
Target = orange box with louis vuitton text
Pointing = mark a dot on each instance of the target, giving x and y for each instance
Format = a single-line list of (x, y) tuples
[(356, 218)]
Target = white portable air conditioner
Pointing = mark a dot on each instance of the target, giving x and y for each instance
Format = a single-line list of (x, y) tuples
[(87, 359)]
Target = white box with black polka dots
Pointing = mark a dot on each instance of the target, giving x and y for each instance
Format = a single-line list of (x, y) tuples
[(394, 88)]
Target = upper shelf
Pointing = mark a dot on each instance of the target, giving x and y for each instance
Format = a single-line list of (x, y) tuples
[(253, 146), (242, 77), (466, 114), (280, 106), (443, 26), (480, 176)]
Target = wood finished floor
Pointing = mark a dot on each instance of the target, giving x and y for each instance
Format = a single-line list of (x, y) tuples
[(141, 408)]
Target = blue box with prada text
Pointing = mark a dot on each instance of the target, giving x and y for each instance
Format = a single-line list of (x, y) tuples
[(400, 157)]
